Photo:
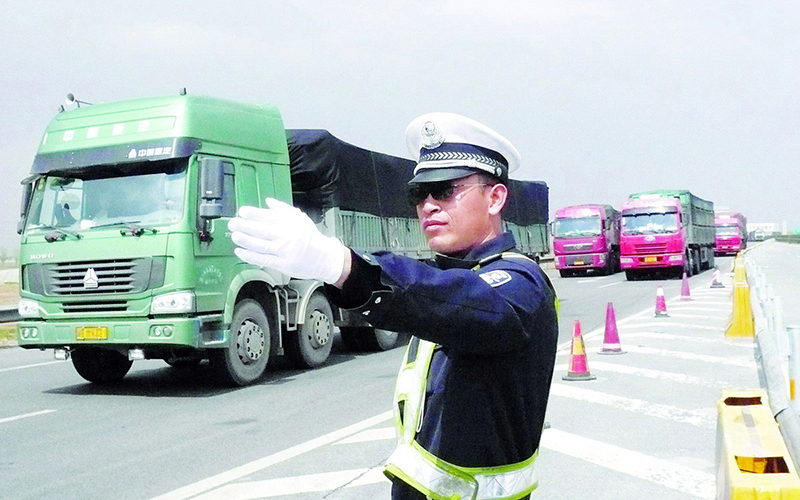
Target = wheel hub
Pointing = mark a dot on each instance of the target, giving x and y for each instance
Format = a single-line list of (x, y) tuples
[(250, 342), (321, 331)]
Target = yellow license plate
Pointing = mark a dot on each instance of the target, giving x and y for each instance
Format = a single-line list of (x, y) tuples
[(579, 263), (91, 333), (650, 260)]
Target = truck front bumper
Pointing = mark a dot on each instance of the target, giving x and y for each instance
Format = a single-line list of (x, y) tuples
[(651, 261), (581, 261), (167, 331)]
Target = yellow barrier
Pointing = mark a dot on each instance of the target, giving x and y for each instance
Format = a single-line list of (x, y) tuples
[(742, 323), (753, 462)]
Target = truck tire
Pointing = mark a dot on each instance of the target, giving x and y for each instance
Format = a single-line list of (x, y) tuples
[(361, 339), (630, 275), (310, 345), (381, 340), (698, 263), (688, 265), (100, 366), (245, 358), (565, 273)]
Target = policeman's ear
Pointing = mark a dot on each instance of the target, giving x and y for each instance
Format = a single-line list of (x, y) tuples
[(497, 196)]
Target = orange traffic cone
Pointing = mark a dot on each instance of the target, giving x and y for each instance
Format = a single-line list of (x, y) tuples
[(611, 337), (578, 367), (685, 293), (661, 304), (716, 282)]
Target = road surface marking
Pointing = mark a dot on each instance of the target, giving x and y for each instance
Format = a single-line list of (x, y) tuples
[(670, 323), (19, 417), (697, 418), (746, 362), (309, 483), (696, 316), (654, 374), (370, 435), (681, 307), (29, 366), (231, 475), (689, 338), (611, 284), (662, 472)]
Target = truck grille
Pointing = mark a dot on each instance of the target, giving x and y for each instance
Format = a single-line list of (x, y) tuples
[(97, 277), (577, 247), (651, 248), (94, 306)]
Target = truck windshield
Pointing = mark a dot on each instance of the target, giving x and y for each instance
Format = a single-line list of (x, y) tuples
[(644, 223), (578, 227), (727, 231), (149, 194)]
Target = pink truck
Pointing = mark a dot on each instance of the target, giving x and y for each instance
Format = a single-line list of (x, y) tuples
[(586, 237), (731, 233), (666, 230)]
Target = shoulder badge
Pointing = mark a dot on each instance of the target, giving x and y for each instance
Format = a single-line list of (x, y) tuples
[(495, 278)]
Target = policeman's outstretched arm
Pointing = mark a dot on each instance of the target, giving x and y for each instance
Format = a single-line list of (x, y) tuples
[(284, 238)]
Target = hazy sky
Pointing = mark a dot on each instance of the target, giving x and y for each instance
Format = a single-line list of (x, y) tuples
[(601, 98)]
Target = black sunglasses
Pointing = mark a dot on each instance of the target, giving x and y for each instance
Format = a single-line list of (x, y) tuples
[(440, 191)]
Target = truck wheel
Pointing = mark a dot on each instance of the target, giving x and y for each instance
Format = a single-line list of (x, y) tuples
[(310, 345), (630, 275), (360, 338), (688, 265), (564, 273), (99, 365), (245, 358), (698, 264), (380, 340)]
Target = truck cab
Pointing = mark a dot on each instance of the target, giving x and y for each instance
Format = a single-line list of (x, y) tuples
[(731, 234), (586, 238)]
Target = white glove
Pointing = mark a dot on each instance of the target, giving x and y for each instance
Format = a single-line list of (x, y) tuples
[(283, 238)]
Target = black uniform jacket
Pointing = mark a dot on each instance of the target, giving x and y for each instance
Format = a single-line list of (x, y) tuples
[(497, 329)]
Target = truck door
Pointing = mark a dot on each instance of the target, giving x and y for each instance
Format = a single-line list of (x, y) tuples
[(213, 249)]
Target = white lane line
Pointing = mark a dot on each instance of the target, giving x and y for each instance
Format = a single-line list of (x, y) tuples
[(309, 483), (688, 338), (370, 435), (666, 412), (670, 323), (223, 478), (30, 366), (611, 284), (682, 307), (662, 472), (19, 417), (696, 316), (746, 362), (654, 374)]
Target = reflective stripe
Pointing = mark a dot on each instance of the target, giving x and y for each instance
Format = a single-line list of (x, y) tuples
[(441, 480), (409, 465)]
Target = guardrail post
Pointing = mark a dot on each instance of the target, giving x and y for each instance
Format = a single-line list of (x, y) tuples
[(779, 326), (794, 363)]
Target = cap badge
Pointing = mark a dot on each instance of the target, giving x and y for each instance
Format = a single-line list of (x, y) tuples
[(431, 136)]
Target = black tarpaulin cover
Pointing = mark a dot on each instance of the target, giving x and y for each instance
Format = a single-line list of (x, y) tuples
[(327, 172)]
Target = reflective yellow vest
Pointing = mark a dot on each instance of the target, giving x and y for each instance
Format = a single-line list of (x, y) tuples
[(434, 477)]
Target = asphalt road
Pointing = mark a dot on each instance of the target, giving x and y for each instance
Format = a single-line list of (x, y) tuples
[(168, 433)]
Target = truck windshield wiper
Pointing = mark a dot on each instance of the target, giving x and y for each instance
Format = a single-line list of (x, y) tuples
[(133, 228), (60, 233)]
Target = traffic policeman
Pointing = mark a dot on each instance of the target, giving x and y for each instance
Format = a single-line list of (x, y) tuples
[(472, 391)]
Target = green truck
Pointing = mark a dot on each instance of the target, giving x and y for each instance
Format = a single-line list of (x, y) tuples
[(125, 252)]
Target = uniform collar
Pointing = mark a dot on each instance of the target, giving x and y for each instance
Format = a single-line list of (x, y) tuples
[(500, 244)]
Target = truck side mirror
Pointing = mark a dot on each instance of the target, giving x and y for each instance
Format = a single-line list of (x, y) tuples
[(27, 191), (212, 178)]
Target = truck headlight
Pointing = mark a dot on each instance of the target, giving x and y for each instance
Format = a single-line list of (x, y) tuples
[(626, 260), (169, 303), (676, 258), (28, 308)]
